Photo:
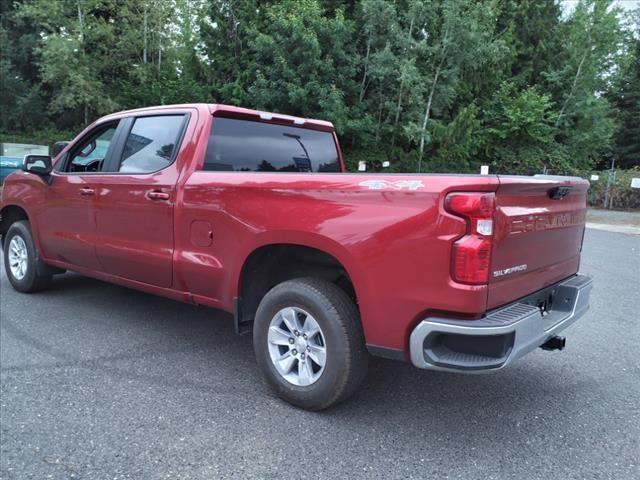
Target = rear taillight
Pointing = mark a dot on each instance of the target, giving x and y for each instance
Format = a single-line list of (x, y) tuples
[(471, 254)]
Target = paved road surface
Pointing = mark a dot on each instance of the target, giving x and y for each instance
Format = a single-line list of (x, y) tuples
[(102, 382)]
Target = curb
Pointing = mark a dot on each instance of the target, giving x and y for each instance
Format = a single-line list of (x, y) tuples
[(627, 229)]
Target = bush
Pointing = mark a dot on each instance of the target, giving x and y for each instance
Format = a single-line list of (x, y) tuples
[(41, 137), (621, 194), (400, 161)]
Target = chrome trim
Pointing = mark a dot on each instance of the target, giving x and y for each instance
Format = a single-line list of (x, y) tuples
[(530, 328)]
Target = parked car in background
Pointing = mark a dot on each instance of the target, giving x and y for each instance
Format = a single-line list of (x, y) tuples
[(253, 213), (9, 165), (12, 155)]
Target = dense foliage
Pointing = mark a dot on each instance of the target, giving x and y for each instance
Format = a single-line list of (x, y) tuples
[(621, 194), (430, 85)]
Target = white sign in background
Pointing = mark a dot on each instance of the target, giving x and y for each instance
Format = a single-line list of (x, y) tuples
[(635, 183)]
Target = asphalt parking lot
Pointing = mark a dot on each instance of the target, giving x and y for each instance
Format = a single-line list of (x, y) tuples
[(101, 382)]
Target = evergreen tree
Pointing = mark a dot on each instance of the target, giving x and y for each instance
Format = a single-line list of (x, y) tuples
[(626, 98)]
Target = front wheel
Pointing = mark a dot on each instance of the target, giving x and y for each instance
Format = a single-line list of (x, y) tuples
[(20, 259), (309, 343)]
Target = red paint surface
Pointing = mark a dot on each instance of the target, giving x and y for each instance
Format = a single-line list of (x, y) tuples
[(394, 243)]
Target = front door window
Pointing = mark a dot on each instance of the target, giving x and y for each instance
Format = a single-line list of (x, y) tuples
[(89, 155)]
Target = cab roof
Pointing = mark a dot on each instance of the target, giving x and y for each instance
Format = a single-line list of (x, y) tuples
[(231, 111)]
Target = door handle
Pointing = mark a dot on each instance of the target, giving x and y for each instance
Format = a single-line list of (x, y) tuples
[(86, 192), (157, 195)]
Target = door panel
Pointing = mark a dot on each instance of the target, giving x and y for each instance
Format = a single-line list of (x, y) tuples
[(135, 232), (135, 208), (67, 225)]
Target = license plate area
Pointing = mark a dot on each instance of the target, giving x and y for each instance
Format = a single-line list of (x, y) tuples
[(554, 303), (543, 300)]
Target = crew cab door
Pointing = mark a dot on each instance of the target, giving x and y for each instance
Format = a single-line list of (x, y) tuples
[(66, 225), (135, 199)]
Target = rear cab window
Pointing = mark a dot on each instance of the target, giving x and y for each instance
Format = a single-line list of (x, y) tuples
[(249, 146)]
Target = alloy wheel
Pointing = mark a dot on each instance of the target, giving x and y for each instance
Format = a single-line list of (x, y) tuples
[(297, 346), (18, 257)]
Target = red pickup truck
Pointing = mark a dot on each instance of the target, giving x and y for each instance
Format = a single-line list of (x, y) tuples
[(253, 213)]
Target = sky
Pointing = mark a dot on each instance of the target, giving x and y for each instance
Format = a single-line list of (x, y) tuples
[(628, 5)]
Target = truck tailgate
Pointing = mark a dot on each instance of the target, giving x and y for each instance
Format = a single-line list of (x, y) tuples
[(539, 227)]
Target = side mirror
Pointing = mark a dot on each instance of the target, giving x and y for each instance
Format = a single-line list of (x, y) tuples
[(57, 148), (38, 164)]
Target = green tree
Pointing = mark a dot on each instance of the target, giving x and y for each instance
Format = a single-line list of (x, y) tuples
[(532, 29), (377, 70), (464, 46), (225, 30), (68, 72), (303, 61), (446, 84), (22, 101), (518, 133), (625, 96), (593, 39)]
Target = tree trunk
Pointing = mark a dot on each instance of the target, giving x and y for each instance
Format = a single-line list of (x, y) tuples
[(573, 88), (159, 52), (144, 34), (400, 91), (363, 86), (379, 121), (234, 31), (397, 117), (426, 117), (81, 24), (427, 112)]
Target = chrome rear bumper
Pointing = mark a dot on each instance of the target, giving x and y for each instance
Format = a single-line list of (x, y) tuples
[(503, 335)]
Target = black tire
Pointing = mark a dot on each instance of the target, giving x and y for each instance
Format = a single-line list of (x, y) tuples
[(32, 281), (346, 354)]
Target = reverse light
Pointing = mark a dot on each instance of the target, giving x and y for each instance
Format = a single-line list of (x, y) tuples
[(471, 254), (484, 227)]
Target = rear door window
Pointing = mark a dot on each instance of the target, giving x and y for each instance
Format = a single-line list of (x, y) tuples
[(247, 146), (151, 144)]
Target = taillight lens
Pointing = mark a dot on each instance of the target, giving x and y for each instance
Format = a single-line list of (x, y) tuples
[(471, 254)]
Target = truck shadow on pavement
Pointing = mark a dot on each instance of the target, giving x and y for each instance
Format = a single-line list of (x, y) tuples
[(187, 350)]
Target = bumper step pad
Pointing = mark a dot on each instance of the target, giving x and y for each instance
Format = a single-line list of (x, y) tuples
[(503, 335)]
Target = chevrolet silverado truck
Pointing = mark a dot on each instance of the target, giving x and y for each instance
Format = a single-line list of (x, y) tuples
[(253, 213)]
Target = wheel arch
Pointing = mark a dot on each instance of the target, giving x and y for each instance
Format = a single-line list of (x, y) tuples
[(10, 214), (269, 264)]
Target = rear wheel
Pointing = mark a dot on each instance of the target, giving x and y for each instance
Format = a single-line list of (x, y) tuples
[(21, 259), (309, 343)]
